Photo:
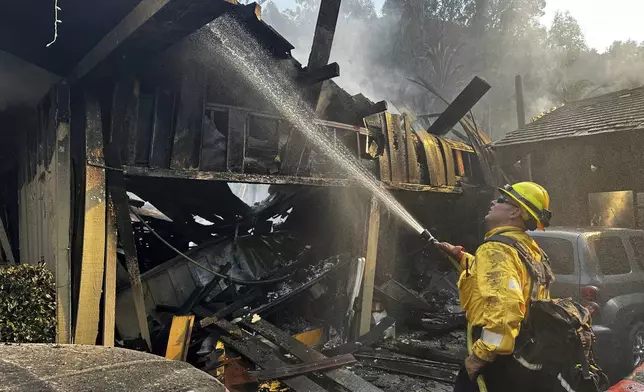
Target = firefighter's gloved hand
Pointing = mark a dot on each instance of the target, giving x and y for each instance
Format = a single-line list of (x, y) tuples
[(474, 365), (452, 250)]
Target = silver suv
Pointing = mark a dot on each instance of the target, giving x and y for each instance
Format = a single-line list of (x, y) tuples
[(603, 269)]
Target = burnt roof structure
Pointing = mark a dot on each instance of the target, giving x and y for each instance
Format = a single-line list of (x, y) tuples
[(619, 111)]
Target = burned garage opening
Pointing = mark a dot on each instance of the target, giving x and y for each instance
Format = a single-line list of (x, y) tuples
[(199, 194)]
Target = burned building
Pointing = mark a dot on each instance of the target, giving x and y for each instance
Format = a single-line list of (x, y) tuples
[(122, 180), (587, 154)]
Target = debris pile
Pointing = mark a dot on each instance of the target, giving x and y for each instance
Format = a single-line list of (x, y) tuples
[(289, 316)]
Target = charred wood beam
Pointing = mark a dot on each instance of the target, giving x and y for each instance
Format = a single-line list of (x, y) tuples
[(94, 227), (232, 308), (150, 27), (117, 189), (137, 171), (200, 292), (408, 366), (343, 377), (465, 101), (324, 32), (260, 354), (318, 75), (304, 368), (366, 340), (377, 107)]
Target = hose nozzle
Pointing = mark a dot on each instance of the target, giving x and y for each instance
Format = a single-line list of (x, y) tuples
[(427, 236)]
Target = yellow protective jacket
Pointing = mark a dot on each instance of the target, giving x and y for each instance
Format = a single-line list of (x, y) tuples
[(496, 293)]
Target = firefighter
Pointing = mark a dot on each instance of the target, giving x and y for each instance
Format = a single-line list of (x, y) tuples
[(495, 290)]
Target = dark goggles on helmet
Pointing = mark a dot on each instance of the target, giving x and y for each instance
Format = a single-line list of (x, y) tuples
[(544, 215)]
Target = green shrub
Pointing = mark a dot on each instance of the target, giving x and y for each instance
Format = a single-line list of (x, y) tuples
[(27, 304)]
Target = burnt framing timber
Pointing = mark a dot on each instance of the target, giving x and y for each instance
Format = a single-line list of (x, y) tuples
[(343, 377), (137, 171), (252, 348)]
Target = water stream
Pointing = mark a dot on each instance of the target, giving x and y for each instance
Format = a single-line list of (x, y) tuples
[(241, 51)]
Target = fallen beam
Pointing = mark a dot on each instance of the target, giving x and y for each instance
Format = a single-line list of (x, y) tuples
[(179, 338), (409, 367), (304, 368), (260, 354), (366, 340), (465, 101), (298, 349), (231, 308)]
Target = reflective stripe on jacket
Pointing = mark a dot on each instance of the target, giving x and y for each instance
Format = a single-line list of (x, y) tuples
[(496, 293)]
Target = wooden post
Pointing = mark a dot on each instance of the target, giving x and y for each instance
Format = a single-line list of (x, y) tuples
[(124, 94), (370, 267), (93, 255), (518, 86), (109, 297), (63, 217)]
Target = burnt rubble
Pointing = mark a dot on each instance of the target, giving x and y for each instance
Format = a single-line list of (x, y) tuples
[(298, 330)]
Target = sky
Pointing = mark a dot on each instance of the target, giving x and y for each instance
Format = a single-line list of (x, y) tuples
[(602, 22)]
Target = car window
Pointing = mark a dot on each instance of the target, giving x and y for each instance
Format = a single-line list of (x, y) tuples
[(560, 252), (611, 255), (637, 243)]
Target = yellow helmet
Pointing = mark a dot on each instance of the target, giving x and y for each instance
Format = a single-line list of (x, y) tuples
[(535, 201)]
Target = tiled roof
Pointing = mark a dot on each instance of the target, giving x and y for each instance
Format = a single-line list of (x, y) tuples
[(619, 111)]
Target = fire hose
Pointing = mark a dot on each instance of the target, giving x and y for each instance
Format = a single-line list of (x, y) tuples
[(427, 236)]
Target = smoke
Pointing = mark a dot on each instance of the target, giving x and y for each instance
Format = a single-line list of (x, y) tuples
[(378, 53)]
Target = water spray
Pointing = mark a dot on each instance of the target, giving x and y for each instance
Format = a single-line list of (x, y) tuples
[(242, 52)]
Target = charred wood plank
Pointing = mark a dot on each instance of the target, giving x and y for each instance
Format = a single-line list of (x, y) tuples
[(260, 354), (162, 136), (465, 101), (429, 353), (304, 368), (318, 75), (117, 188), (280, 338), (412, 154), (190, 118), (230, 309), (366, 340), (137, 171), (409, 367), (324, 33), (373, 232), (93, 251)]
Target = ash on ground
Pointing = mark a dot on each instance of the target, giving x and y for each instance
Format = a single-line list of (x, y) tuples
[(390, 382)]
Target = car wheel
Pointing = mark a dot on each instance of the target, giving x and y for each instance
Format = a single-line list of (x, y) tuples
[(636, 344)]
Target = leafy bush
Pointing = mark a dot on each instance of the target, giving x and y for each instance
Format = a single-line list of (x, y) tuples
[(27, 304)]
